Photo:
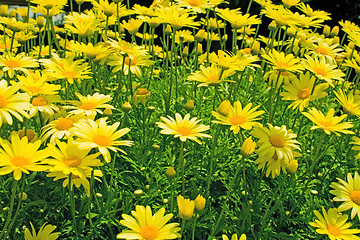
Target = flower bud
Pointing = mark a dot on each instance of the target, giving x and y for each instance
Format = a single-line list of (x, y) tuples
[(168, 30), (200, 35), (335, 31), (336, 40), (189, 106), (138, 192), (126, 107), (186, 207), (107, 112), (292, 167), (224, 107), (23, 196), (170, 172), (326, 30), (200, 203), (248, 147), (185, 51), (255, 49), (272, 26), (155, 147), (141, 95), (151, 108), (12, 13), (4, 10), (98, 195), (199, 48), (40, 21)]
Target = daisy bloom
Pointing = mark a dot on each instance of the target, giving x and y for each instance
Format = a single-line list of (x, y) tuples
[(210, 76), (132, 63), (69, 158), (49, 3), (12, 103), (186, 207), (236, 19), (349, 27), (349, 102), (198, 6), (234, 237), (177, 17), (62, 127), (322, 69), (239, 117), (275, 142), (329, 123), (348, 192), (99, 135), (44, 104), (34, 86), (282, 62), (19, 62), (183, 128), (299, 91), (357, 147), (334, 224), (76, 180), (90, 51), (45, 233), (20, 156), (279, 77), (90, 105), (143, 225)]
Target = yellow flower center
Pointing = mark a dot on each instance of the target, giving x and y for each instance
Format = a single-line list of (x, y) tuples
[(12, 64), (102, 140), (3, 101), (88, 105), (333, 230), (194, 3), (64, 124), (355, 197), (149, 232), (34, 89), (20, 161), (304, 93), (322, 51), (325, 124), (237, 120), (277, 141), (68, 74), (39, 101), (185, 131), (282, 65), (72, 161), (132, 61), (2, 46), (320, 71), (212, 78)]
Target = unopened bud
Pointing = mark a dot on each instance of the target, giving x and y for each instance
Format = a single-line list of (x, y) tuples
[(138, 192), (272, 26), (23, 196), (189, 106), (335, 31), (170, 172), (326, 30), (255, 49), (126, 107), (292, 167), (248, 147), (168, 30), (155, 147), (200, 203), (224, 108)]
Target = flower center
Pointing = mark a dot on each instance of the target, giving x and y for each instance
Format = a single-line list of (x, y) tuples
[(194, 3), (185, 131), (72, 161), (277, 141), (325, 124), (304, 93), (64, 124), (334, 230), (237, 120), (149, 232), (3, 101), (322, 51), (34, 89), (213, 78), (102, 140), (142, 91), (87, 105), (39, 101), (12, 64), (282, 65), (320, 71), (132, 61), (68, 74), (20, 161), (355, 197)]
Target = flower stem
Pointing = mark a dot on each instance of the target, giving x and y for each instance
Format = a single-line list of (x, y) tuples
[(181, 167), (12, 201), (212, 158), (72, 205)]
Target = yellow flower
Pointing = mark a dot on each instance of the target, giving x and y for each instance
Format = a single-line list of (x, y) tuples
[(348, 192), (130, 63), (248, 147), (290, 3), (11, 63), (236, 19), (198, 6), (45, 233), (141, 95), (349, 102), (305, 8), (357, 147), (132, 25), (50, 3), (299, 91), (183, 128), (334, 224), (234, 237), (210, 76), (144, 225), (200, 203), (328, 123), (349, 27), (20, 156), (76, 180), (177, 17), (97, 52), (186, 207), (37, 86), (90, 105), (12, 103), (239, 117), (99, 135), (282, 62), (44, 104)]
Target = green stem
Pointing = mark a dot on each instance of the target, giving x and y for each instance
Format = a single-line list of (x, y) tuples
[(72, 205), (12, 201), (193, 229), (212, 160), (182, 168)]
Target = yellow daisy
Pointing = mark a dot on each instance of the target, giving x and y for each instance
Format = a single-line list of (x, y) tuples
[(329, 123), (299, 91), (90, 105), (34, 86), (282, 62), (12, 103), (50, 3), (356, 142), (132, 63), (177, 17), (234, 237), (76, 180), (45, 104), (143, 225), (210, 76), (99, 135), (236, 19), (11, 63), (239, 117), (45, 232), (348, 192), (198, 6), (334, 224), (183, 128), (349, 102), (20, 156)]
